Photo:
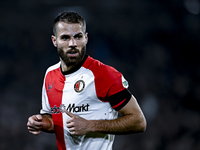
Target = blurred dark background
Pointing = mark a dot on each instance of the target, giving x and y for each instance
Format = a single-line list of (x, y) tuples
[(155, 44)]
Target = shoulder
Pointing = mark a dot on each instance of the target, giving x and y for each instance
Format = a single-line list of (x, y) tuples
[(53, 71), (53, 67), (100, 69)]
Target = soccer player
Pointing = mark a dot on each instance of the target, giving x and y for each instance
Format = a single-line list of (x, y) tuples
[(81, 97)]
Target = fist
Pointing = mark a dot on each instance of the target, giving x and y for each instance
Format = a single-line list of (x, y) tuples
[(34, 124)]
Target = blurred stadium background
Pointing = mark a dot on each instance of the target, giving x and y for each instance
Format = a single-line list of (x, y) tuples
[(155, 44)]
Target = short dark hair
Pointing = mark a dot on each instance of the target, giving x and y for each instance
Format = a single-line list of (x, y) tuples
[(69, 17)]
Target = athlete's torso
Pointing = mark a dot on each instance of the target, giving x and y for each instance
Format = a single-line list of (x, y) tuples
[(83, 93)]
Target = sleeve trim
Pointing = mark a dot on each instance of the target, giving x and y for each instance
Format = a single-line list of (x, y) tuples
[(120, 99), (118, 104)]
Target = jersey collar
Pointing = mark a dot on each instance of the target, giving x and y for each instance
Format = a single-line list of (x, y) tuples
[(75, 68)]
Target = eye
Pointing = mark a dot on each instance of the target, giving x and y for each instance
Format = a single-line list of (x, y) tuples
[(65, 37), (78, 37)]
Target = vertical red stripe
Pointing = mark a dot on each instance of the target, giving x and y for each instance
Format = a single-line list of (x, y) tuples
[(54, 94)]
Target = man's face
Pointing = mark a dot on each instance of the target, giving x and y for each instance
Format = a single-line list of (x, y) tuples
[(70, 41)]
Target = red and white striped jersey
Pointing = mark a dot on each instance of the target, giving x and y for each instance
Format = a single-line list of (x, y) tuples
[(93, 91)]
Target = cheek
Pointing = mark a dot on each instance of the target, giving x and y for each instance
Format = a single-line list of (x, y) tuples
[(62, 44), (81, 43)]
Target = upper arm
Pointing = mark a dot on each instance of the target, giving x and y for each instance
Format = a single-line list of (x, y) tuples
[(135, 113), (132, 107)]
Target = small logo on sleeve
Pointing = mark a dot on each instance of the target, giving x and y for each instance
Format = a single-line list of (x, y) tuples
[(79, 86), (124, 82)]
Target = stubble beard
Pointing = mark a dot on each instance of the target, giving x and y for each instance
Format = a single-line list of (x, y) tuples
[(72, 61)]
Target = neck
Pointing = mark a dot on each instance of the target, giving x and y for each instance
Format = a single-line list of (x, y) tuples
[(72, 68), (64, 67)]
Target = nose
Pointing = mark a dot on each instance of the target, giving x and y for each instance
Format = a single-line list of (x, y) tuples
[(72, 42)]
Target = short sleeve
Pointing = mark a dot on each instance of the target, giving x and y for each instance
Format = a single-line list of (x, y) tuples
[(110, 85), (46, 109), (119, 95)]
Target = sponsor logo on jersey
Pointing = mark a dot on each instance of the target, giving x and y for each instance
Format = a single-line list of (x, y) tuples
[(71, 108), (124, 82), (79, 86), (57, 110)]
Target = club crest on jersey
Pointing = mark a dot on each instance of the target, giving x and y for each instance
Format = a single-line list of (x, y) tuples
[(79, 86)]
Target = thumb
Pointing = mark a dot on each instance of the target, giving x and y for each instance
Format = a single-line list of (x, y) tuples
[(69, 113), (39, 117)]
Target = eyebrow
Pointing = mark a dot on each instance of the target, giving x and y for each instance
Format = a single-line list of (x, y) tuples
[(75, 34)]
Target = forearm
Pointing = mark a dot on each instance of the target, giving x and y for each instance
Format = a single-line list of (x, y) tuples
[(132, 121), (122, 125), (48, 125)]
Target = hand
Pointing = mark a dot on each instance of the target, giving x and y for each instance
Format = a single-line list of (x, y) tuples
[(34, 124), (76, 124)]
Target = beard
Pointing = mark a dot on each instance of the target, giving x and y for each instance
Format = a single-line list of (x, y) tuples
[(69, 61)]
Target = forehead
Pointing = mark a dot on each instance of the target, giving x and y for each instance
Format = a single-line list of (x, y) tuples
[(68, 28)]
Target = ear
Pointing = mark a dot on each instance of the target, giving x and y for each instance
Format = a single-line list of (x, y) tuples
[(53, 38), (86, 38)]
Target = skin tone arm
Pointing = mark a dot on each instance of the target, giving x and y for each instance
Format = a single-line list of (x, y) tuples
[(131, 121)]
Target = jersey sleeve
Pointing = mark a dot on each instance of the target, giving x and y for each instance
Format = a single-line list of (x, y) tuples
[(119, 99), (118, 95), (46, 109), (110, 85)]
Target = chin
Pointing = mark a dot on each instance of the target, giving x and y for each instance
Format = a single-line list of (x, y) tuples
[(72, 61)]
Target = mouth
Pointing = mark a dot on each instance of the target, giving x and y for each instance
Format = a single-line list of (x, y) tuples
[(73, 53)]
